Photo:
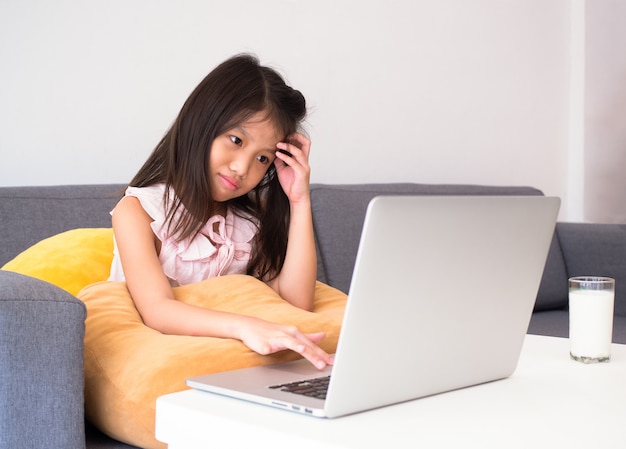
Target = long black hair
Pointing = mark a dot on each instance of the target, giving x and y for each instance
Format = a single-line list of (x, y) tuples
[(230, 94)]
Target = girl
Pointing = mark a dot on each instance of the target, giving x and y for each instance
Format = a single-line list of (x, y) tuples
[(225, 191)]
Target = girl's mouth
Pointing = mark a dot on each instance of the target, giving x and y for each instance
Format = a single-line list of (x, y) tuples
[(229, 182)]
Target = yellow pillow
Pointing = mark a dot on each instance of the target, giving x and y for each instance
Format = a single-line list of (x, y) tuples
[(129, 365), (70, 260)]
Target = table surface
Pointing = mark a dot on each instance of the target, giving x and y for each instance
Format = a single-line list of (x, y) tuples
[(550, 401)]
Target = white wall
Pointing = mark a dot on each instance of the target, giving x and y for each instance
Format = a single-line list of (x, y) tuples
[(434, 91)]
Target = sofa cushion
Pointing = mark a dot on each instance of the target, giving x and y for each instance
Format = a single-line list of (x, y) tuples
[(70, 260), (129, 365)]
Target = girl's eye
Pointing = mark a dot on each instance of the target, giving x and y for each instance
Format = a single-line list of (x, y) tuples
[(236, 140), (263, 159)]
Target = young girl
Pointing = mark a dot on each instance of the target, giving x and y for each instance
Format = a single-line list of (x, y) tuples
[(225, 191)]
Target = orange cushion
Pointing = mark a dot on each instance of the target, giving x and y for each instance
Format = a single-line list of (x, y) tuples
[(129, 365)]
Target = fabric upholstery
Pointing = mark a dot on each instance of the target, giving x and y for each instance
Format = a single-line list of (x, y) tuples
[(553, 288), (339, 211), (31, 214), (128, 365), (41, 365), (597, 250)]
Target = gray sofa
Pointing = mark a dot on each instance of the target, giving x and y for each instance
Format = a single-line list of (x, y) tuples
[(42, 327)]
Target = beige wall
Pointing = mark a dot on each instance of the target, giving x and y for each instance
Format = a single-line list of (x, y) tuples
[(605, 107), (435, 91)]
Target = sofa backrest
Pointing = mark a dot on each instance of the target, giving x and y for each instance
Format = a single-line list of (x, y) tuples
[(30, 214), (339, 211), (596, 249)]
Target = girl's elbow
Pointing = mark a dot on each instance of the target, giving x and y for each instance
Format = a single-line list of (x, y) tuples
[(296, 296), (298, 300), (308, 303), (309, 307)]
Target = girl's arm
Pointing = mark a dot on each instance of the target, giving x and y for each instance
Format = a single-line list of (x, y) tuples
[(154, 298), (296, 281)]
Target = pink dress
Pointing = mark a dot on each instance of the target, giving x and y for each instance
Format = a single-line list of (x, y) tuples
[(222, 247)]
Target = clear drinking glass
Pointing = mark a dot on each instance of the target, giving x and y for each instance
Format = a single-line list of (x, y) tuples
[(591, 300)]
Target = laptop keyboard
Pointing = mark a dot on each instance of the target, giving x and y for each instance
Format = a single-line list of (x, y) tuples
[(315, 388)]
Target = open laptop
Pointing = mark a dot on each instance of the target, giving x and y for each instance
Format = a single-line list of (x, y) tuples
[(440, 299)]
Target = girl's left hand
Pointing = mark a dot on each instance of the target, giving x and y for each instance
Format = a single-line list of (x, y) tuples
[(293, 171)]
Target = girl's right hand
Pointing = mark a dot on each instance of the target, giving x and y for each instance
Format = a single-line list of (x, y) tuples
[(293, 170), (264, 338)]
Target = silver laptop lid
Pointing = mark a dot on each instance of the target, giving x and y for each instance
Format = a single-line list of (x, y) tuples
[(441, 296)]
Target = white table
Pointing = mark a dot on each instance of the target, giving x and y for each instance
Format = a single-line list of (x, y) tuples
[(550, 401)]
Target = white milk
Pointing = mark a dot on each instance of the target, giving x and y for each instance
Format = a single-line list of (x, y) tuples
[(590, 323)]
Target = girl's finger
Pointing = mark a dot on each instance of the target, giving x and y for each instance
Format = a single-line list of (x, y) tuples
[(315, 337), (295, 159), (308, 349), (300, 141), (291, 154)]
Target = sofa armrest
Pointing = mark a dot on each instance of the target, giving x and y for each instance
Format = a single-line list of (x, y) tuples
[(41, 365)]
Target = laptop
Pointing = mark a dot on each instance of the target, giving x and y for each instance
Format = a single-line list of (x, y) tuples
[(440, 299)]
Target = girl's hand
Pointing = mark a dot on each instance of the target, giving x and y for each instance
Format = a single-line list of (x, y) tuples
[(266, 338), (294, 171)]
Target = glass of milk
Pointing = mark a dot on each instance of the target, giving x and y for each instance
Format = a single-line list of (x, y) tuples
[(591, 301)]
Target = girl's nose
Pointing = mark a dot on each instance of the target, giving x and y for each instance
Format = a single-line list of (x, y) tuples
[(239, 166)]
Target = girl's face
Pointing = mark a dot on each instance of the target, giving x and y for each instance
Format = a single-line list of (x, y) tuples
[(241, 156)]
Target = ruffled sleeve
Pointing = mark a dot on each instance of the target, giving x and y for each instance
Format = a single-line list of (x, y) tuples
[(152, 201)]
